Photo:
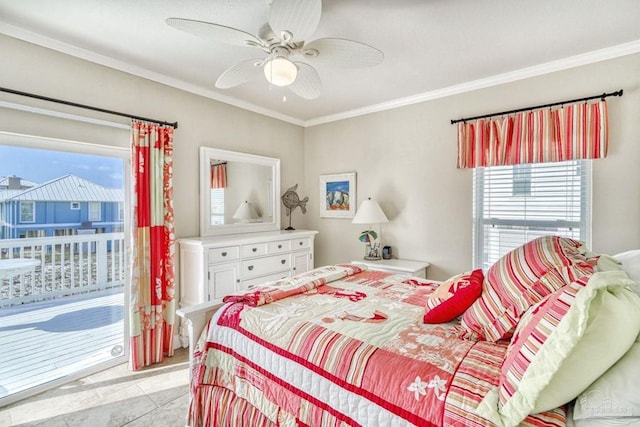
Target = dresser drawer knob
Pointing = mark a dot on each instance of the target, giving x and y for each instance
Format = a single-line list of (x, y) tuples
[(279, 246), (254, 249), (224, 254), (250, 267), (283, 261), (300, 243)]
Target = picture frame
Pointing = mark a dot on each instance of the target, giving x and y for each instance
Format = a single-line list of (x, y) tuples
[(337, 195)]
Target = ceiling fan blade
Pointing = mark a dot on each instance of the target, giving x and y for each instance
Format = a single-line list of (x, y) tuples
[(300, 18), (214, 32), (266, 34), (341, 53), (240, 73), (307, 84)]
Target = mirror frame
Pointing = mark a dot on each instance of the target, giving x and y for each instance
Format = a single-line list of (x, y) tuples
[(206, 228)]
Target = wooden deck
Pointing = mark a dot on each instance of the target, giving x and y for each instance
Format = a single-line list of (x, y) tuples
[(42, 342)]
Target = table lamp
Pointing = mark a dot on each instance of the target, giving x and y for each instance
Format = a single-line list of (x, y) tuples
[(370, 213), (245, 212)]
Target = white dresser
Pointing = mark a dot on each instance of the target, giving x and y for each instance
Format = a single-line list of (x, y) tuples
[(212, 267)]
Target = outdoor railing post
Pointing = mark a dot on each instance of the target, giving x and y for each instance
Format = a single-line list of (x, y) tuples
[(101, 261)]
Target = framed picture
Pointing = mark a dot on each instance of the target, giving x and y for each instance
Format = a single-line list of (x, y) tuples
[(338, 195)]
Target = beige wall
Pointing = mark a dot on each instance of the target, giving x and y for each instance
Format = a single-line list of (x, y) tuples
[(405, 158), (202, 121)]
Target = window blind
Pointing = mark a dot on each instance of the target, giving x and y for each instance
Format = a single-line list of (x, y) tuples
[(217, 206), (515, 204)]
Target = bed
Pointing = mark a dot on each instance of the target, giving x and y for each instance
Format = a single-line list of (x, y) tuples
[(342, 346)]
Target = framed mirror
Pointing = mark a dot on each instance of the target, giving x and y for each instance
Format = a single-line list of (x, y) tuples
[(239, 192)]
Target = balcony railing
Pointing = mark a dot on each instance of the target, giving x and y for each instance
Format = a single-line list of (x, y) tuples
[(62, 266)]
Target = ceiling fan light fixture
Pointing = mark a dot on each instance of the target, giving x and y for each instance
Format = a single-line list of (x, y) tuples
[(280, 71)]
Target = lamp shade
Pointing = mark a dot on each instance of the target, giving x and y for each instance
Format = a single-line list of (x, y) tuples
[(245, 212), (369, 213)]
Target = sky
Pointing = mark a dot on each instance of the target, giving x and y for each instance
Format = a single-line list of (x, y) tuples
[(44, 165)]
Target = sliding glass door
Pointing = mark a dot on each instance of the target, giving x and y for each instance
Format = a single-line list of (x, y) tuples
[(62, 263)]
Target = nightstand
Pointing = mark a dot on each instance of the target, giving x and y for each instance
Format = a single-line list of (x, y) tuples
[(398, 266)]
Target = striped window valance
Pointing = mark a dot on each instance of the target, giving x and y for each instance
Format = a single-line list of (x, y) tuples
[(219, 176), (572, 132)]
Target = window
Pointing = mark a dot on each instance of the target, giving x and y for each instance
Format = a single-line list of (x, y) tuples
[(94, 211), (217, 206), (75, 206), (120, 211), (522, 180), (515, 204), (27, 212)]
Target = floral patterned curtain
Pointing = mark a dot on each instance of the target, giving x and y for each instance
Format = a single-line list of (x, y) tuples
[(152, 304), (573, 132), (219, 176)]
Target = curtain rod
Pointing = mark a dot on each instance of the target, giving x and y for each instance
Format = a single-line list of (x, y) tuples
[(603, 96), (87, 107)]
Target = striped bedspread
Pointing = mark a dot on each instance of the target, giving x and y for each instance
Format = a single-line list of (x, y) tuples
[(338, 346)]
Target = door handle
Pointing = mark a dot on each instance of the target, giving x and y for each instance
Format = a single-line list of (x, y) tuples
[(250, 267), (283, 261)]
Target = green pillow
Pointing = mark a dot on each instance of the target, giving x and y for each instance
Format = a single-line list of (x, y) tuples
[(563, 344)]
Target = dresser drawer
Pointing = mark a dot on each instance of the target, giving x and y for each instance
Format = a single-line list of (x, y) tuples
[(256, 249), (230, 253), (279, 246), (303, 243), (250, 283), (266, 265)]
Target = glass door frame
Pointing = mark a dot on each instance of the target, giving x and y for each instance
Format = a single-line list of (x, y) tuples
[(77, 147)]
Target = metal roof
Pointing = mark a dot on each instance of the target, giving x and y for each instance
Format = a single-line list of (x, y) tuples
[(4, 181), (70, 188), (7, 194)]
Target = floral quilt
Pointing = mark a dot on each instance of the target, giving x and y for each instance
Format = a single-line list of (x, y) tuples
[(339, 346)]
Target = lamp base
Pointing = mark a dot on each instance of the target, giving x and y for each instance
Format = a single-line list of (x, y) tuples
[(289, 228), (372, 251)]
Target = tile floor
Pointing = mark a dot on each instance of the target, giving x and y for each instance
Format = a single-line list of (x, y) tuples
[(155, 396)]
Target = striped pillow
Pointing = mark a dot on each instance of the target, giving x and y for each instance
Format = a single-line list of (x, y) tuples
[(522, 278), (563, 344)]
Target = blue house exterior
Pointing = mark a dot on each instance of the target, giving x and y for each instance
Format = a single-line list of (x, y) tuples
[(64, 206)]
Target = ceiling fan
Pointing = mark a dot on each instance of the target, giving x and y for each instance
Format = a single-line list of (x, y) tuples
[(291, 22)]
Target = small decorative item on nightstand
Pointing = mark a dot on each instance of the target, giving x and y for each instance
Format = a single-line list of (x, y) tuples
[(386, 252), (370, 213)]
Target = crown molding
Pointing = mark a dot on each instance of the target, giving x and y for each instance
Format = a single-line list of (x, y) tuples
[(50, 43), (523, 73), (499, 79)]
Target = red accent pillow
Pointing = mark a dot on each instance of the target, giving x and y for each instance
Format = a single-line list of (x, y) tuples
[(453, 297)]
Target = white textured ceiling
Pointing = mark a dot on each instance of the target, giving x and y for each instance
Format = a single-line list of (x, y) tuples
[(431, 46)]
